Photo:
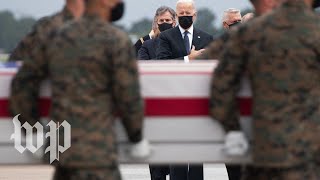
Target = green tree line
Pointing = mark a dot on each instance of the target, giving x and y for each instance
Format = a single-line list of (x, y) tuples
[(12, 30)]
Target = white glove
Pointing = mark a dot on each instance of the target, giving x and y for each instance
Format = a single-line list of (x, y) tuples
[(236, 144), (140, 150)]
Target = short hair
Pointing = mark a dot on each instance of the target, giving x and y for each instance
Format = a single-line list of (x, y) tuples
[(187, 1), (247, 17), (161, 10), (228, 12)]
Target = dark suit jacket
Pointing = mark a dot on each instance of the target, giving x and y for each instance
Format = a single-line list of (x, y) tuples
[(139, 43), (148, 49), (171, 44)]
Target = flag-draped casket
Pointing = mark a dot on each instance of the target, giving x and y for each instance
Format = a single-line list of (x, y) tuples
[(177, 124)]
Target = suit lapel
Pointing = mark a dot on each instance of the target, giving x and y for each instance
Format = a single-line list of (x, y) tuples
[(196, 38)]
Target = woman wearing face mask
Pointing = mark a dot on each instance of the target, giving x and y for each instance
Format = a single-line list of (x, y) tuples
[(164, 19)]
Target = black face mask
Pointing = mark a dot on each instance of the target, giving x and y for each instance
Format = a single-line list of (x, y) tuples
[(316, 4), (185, 21), (234, 24), (164, 26), (117, 12)]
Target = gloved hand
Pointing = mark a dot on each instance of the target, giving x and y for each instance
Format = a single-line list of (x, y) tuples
[(140, 150), (236, 144)]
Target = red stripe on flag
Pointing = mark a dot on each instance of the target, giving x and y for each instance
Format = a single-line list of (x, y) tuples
[(4, 112), (245, 105), (44, 105), (187, 106), (155, 107), (176, 107)]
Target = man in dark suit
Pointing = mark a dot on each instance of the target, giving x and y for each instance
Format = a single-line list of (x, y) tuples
[(164, 19), (183, 42), (186, 43)]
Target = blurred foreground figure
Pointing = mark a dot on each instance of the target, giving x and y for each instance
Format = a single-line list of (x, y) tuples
[(41, 30), (279, 52), (94, 76)]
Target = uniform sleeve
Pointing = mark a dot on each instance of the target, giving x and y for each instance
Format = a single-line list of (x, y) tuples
[(25, 87), (126, 90), (225, 83)]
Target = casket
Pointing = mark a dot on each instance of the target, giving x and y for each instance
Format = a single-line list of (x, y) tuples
[(177, 124)]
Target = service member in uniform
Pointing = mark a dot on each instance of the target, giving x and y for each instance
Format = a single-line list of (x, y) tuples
[(279, 52), (94, 77), (72, 10), (261, 7)]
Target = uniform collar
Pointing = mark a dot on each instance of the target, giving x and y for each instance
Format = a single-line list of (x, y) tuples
[(294, 4), (93, 18), (66, 14)]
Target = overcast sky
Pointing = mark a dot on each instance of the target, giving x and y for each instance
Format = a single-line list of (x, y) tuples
[(135, 9)]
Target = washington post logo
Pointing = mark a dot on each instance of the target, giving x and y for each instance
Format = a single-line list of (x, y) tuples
[(54, 147)]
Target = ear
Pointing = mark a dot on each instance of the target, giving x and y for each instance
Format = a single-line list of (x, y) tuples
[(194, 18), (174, 23)]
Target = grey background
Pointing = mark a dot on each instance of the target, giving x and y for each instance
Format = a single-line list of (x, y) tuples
[(135, 9)]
